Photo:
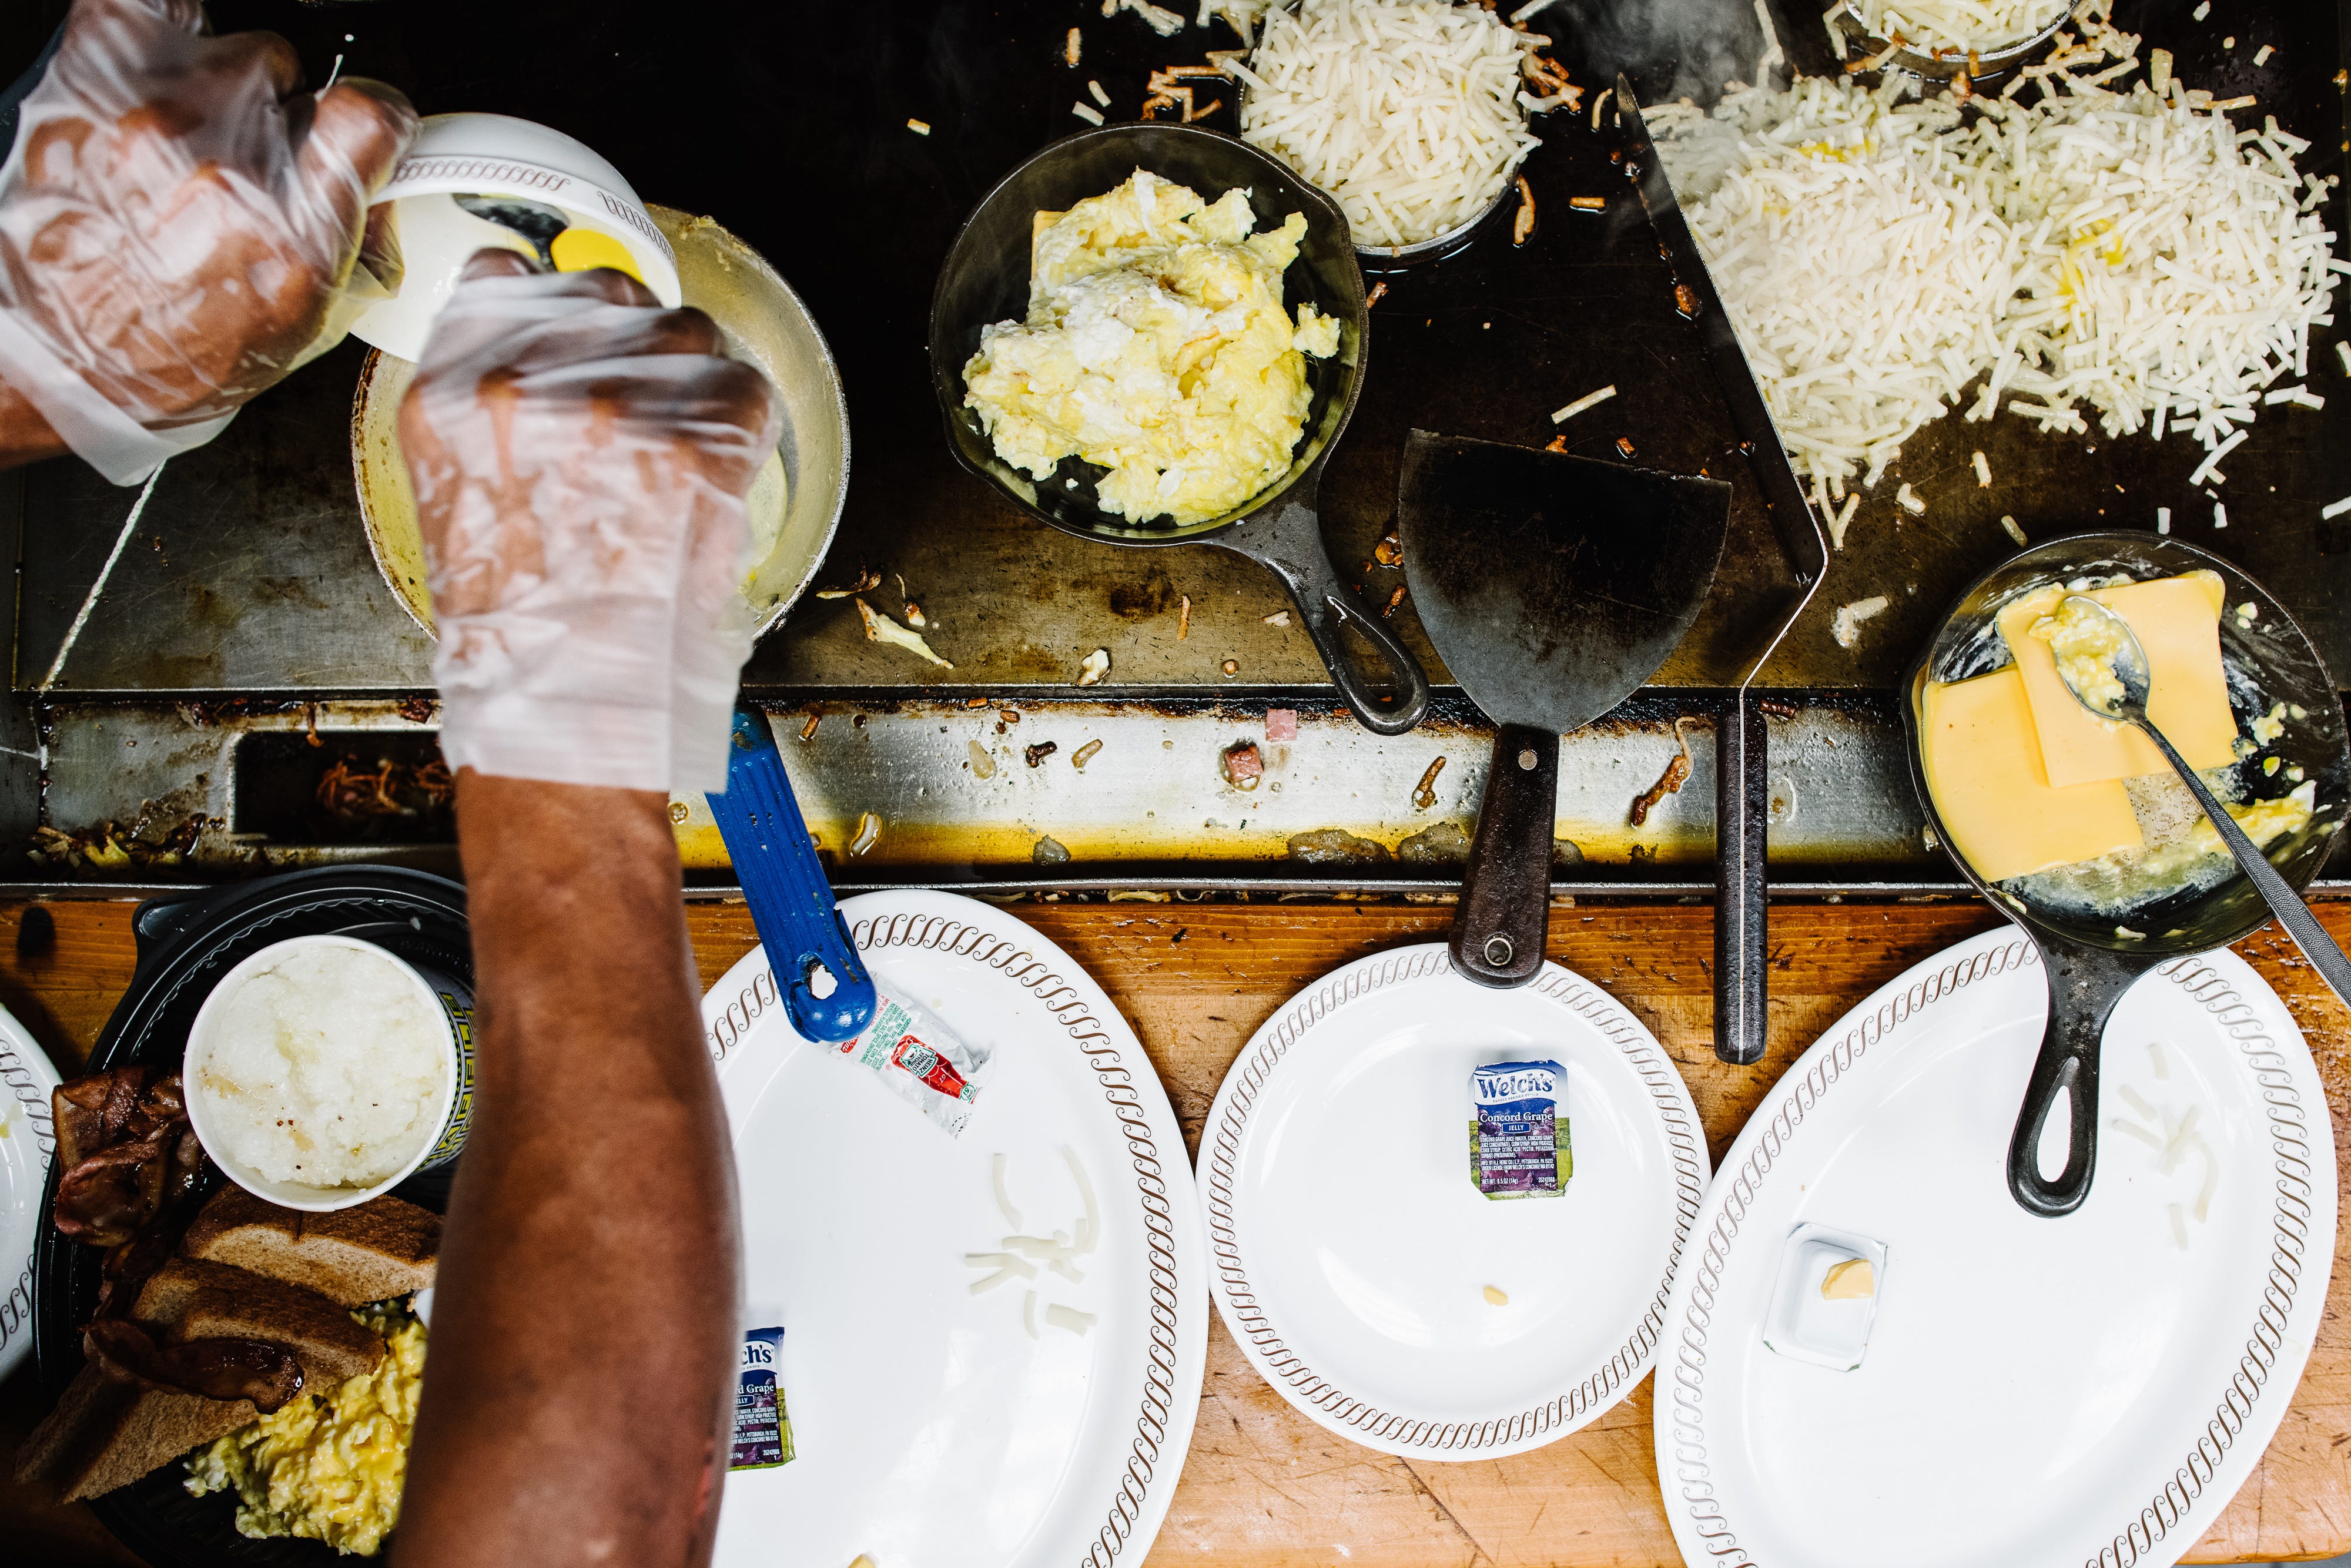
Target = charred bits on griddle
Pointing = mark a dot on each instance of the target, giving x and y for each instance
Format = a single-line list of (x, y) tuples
[(1676, 773), (1035, 755), (1423, 794)]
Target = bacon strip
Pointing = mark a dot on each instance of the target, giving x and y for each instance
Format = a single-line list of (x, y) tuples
[(251, 1369)]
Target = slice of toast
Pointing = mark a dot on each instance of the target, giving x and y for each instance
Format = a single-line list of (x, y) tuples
[(190, 1299), (382, 1248), (104, 1434)]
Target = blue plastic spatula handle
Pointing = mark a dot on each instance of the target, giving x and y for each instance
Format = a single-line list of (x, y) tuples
[(791, 903)]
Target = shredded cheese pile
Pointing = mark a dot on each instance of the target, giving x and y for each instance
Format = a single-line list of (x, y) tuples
[(2173, 268), (1961, 24), (2130, 252), (1408, 112), (1864, 281)]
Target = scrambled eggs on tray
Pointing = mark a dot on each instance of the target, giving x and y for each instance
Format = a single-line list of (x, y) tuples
[(327, 1465), (1156, 346)]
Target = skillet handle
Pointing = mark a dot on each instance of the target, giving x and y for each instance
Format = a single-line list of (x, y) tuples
[(1742, 815), (1505, 912), (1289, 542), (2083, 986)]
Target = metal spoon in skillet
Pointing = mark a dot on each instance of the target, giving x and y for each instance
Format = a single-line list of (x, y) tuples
[(2113, 651)]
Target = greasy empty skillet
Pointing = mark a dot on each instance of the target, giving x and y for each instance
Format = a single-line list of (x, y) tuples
[(986, 280), (2089, 965)]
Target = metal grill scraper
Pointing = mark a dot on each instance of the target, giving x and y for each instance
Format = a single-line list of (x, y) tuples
[(1743, 788)]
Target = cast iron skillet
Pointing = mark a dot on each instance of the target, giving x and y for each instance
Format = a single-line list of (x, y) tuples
[(185, 945), (2089, 965), (986, 280)]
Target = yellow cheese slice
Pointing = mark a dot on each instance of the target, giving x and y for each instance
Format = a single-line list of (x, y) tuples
[(1983, 768), (582, 250), (2178, 619)]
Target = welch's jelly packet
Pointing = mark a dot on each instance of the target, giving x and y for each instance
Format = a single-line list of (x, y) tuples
[(1517, 1136), (924, 1062), (763, 1426)]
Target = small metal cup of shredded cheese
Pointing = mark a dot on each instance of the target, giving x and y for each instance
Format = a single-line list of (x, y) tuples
[(924, 1062), (323, 1071), (763, 1426), (1518, 1138)]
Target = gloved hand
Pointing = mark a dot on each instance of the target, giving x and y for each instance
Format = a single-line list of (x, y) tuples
[(581, 457), (175, 221)]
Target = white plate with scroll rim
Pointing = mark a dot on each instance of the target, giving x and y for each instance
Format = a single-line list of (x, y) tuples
[(27, 1141), (1352, 1247), (931, 1430), (2072, 1391)]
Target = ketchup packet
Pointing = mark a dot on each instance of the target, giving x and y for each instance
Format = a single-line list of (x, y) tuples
[(924, 1062)]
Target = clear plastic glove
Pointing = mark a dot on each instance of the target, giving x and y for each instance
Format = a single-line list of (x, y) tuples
[(176, 223), (579, 457)]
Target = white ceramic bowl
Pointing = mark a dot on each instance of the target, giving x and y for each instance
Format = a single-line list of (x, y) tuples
[(497, 155), (201, 1108)]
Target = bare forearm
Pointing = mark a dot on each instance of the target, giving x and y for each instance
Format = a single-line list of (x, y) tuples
[(25, 435), (583, 1341)]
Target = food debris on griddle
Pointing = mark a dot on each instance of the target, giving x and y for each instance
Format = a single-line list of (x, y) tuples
[(1624, 445), (1389, 551), (1084, 754), (1232, 666), (1556, 443), (1035, 755), (1669, 783), (1241, 765), (982, 764), (1072, 49), (1523, 225), (867, 580), (1278, 618), (1845, 624), (1281, 723), (869, 833), (1685, 300), (1096, 666), (808, 730), (1183, 617), (1379, 292), (1423, 794), (1588, 401), (1588, 203), (880, 628), (1394, 600)]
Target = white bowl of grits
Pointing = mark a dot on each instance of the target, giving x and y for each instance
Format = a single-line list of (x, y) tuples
[(320, 1073)]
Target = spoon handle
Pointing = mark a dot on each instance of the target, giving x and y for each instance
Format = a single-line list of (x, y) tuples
[(2283, 902)]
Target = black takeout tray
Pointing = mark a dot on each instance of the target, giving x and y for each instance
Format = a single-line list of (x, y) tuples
[(185, 945)]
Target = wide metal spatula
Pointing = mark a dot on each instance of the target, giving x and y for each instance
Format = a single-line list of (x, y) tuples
[(1552, 587)]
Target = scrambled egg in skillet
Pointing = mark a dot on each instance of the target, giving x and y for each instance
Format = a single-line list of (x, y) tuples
[(1156, 346), (327, 1465)]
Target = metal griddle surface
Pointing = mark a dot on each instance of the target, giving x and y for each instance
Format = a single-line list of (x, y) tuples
[(787, 122)]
